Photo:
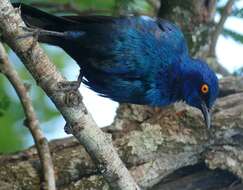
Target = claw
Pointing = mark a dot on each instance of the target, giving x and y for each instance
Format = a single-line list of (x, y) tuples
[(71, 85), (36, 32), (68, 129)]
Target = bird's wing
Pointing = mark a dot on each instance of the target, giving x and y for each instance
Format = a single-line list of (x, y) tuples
[(172, 37), (127, 59), (128, 45), (130, 60), (90, 18)]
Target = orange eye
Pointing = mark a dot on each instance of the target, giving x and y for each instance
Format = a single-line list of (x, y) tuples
[(204, 88)]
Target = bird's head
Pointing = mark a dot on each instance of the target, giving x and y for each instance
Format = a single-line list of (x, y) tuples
[(200, 88)]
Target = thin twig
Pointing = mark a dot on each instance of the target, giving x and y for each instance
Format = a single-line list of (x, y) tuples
[(220, 25), (31, 121), (84, 128)]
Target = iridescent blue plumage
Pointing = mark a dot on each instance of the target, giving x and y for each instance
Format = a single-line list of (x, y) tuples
[(137, 60)]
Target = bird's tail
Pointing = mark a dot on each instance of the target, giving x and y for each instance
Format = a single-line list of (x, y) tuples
[(53, 27), (36, 18)]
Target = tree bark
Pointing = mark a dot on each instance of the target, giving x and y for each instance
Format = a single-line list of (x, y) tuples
[(79, 120), (153, 143)]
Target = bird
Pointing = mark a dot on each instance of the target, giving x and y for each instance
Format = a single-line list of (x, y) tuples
[(130, 59)]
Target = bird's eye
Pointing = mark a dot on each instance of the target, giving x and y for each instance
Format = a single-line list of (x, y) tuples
[(204, 88)]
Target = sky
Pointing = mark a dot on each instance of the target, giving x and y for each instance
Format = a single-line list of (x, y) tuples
[(228, 51)]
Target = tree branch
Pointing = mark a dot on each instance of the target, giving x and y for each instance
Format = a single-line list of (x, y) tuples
[(156, 144), (230, 85), (84, 128), (220, 25), (32, 121)]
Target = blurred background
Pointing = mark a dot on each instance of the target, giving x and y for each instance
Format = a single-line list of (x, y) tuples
[(15, 136)]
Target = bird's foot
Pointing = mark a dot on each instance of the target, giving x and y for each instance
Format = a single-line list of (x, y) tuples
[(68, 129), (71, 85), (32, 31)]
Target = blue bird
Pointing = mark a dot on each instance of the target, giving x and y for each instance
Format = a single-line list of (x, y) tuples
[(138, 60)]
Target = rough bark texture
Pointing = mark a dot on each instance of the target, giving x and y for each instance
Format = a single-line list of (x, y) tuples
[(166, 148), (79, 120), (154, 144)]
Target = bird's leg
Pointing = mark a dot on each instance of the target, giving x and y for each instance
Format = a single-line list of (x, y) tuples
[(68, 129), (36, 32), (71, 85)]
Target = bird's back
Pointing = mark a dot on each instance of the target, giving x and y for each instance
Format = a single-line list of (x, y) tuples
[(128, 59)]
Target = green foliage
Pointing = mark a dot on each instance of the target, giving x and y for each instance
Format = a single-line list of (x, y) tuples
[(10, 112), (115, 7), (75, 5), (234, 35), (13, 133), (11, 138), (4, 104)]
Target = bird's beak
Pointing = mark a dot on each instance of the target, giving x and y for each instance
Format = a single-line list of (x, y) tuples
[(206, 114)]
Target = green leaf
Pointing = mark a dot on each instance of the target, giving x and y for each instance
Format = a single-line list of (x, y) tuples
[(81, 5), (232, 34), (4, 102)]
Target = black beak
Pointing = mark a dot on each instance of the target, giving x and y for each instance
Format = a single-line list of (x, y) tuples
[(206, 114)]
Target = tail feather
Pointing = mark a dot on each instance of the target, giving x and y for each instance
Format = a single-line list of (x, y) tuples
[(37, 18)]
